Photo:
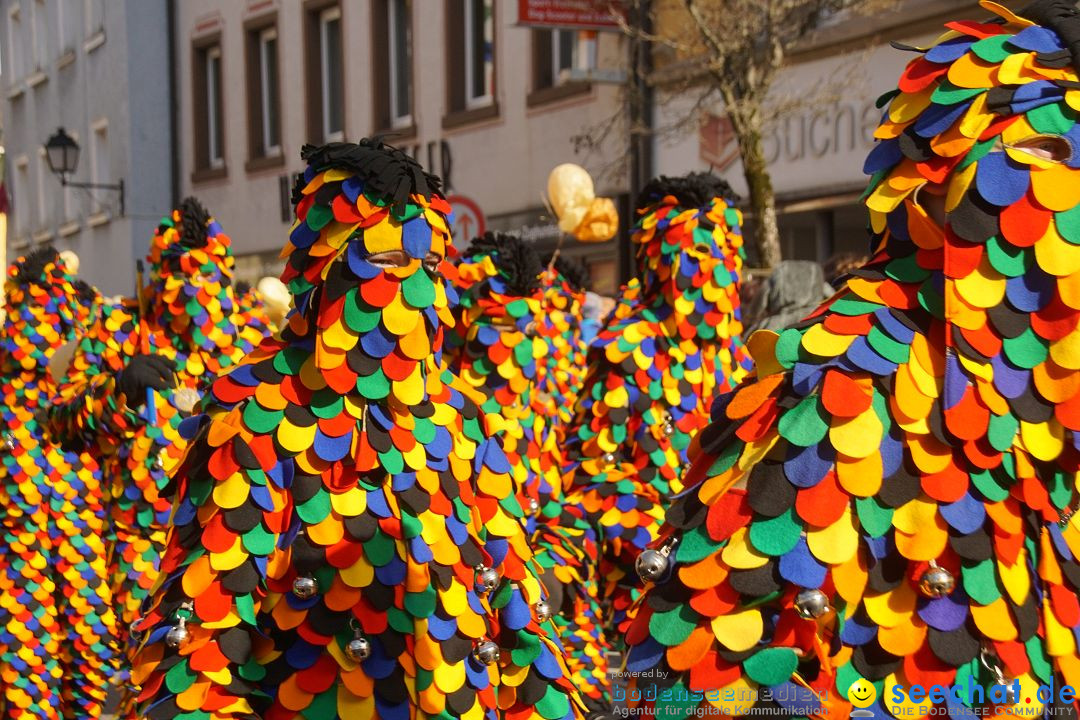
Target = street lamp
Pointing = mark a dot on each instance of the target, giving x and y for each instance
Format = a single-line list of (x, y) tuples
[(62, 154)]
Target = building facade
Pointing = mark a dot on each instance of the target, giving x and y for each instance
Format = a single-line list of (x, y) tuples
[(490, 106), (824, 117), (99, 69)]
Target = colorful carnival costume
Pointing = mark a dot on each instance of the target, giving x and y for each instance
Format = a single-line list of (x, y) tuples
[(56, 623), (892, 497), (516, 341), (347, 543), (561, 373), (163, 356), (653, 372), (251, 307)]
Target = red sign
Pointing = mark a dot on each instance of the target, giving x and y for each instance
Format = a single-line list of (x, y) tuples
[(468, 220), (573, 14), (716, 141)]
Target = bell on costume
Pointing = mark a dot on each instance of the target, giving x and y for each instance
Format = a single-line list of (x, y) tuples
[(487, 652), (652, 564), (359, 648), (178, 634), (8, 442), (669, 426), (534, 506), (936, 582), (989, 660), (305, 587), (486, 579), (811, 603), (543, 611), (186, 399)]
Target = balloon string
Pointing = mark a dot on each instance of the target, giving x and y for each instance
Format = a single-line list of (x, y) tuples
[(562, 235)]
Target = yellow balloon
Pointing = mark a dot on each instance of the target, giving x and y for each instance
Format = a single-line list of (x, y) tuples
[(600, 222), (71, 260), (570, 192), (276, 297)]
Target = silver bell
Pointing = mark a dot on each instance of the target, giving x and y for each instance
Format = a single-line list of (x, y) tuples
[(186, 399), (534, 506), (486, 579), (651, 565), (9, 442), (543, 612), (178, 634), (487, 652), (811, 603), (305, 587), (669, 426), (936, 582), (358, 649), (609, 458), (1011, 697)]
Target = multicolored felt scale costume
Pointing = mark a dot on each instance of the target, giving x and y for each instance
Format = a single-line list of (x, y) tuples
[(191, 319), (653, 372), (252, 310), (515, 342), (347, 541), (56, 622), (561, 373), (892, 496)]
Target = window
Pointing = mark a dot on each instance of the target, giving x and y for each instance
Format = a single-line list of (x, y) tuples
[(331, 61), (21, 201), (214, 130), (100, 165), (470, 62), (94, 16), (40, 34), (208, 107), (392, 43), (44, 193), (15, 68), (268, 86), (556, 53), (65, 26), (400, 37), (264, 105), (479, 53), (70, 206), (325, 74), (70, 197)]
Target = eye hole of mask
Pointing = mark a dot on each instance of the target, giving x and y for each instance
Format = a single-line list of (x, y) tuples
[(389, 259), (1051, 148), (432, 263)]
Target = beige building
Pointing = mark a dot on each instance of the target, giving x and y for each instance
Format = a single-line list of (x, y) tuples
[(492, 106), (489, 105), (824, 117)]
